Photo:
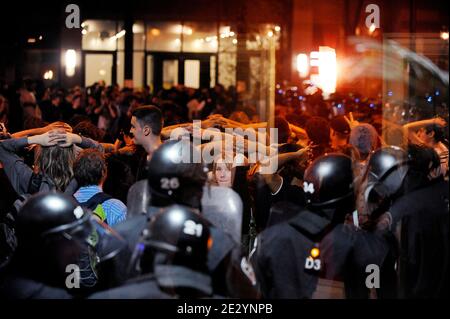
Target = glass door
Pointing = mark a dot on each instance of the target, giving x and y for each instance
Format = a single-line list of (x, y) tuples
[(99, 67)]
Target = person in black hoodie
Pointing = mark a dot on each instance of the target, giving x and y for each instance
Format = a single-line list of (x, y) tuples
[(409, 188), (314, 254)]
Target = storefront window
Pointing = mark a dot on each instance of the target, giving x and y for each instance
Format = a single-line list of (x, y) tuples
[(170, 73), (138, 69), (98, 67), (200, 37), (100, 35), (120, 68), (139, 36), (227, 56), (164, 36)]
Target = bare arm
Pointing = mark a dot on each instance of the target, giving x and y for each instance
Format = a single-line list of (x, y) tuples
[(42, 130), (298, 131), (414, 126), (19, 174), (410, 129), (239, 143), (303, 154), (167, 131)]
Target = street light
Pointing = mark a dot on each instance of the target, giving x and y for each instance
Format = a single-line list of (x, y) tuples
[(327, 70), (302, 65), (71, 62)]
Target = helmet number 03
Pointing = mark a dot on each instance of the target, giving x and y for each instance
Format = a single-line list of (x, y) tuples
[(170, 183), (192, 228)]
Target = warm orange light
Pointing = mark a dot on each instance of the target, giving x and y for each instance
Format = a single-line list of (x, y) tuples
[(48, 75), (71, 62), (210, 243), (302, 65), (315, 252), (327, 70), (155, 32)]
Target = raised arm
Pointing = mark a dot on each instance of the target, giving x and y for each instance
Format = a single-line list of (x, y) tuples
[(414, 126), (42, 130), (410, 129), (18, 173)]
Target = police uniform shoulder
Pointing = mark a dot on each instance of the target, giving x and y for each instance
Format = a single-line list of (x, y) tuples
[(276, 234), (308, 223)]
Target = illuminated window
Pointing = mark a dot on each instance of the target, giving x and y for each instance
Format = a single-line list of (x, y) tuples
[(192, 73), (164, 36), (170, 73), (100, 35), (200, 37), (98, 67)]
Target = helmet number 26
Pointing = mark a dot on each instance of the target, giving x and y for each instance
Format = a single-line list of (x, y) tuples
[(170, 183)]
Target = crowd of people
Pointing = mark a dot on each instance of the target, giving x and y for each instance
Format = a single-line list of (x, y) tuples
[(97, 178)]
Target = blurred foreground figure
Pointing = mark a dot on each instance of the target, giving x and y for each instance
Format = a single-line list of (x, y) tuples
[(172, 258), (53, 231), (175, 178), (409, 188), (314, 254)]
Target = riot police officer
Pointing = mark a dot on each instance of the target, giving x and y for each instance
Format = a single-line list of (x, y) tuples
[(177, 176), (403, 186), (314, 255), (171, 257), (52, 231)]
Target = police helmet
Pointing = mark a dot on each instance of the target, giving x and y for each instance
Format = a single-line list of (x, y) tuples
[(386, 171), (46, 215), (52, 226), (176, 174), (181, 234), (328, 181)]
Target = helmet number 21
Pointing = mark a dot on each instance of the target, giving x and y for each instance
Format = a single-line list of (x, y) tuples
[(193, 229)]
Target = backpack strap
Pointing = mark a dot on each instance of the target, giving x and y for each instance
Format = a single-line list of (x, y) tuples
[(95, 202), (35, 183)]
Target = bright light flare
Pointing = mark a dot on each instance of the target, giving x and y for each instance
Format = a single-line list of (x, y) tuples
[(302, 65), (327, 70), (71, 62)]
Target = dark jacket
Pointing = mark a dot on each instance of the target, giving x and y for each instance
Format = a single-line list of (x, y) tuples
[(284, 268), (421, 223), (20, 174), (16, 287)]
